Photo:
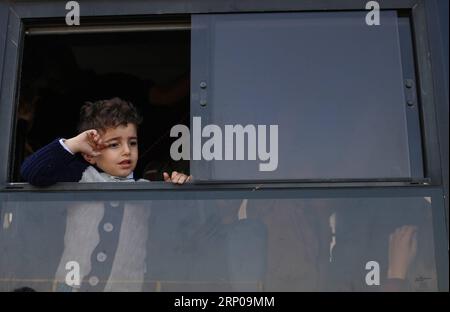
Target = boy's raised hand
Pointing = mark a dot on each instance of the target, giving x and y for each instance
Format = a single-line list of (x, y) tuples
[(176, 177), (87, 142)]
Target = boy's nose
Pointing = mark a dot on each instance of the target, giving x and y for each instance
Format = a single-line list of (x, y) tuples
[(126, 149)]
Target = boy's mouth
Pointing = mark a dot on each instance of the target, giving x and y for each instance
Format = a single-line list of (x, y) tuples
[(125, 163)]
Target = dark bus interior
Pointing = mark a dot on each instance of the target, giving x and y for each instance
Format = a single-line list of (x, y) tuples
[(62, 71)]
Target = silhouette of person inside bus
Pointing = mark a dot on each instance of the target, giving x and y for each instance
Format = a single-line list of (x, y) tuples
[(107, 240), (53, 86)]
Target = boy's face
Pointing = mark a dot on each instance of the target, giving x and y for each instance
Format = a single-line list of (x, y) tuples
[(119, 157)]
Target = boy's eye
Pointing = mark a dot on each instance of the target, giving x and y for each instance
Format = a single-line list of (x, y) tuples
[(133, 143), (113, 145)]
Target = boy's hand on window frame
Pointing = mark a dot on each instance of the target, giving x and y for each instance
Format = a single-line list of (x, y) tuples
[(176, 177)]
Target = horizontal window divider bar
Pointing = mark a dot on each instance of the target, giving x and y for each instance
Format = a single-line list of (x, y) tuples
[(237, 186), (315, 182), (94, 8), (68, 30), (186, 194)]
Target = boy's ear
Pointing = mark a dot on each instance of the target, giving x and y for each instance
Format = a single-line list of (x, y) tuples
[(90, 159)]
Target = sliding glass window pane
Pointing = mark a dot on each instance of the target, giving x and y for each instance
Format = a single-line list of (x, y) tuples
[(229, 243), (333, 85)]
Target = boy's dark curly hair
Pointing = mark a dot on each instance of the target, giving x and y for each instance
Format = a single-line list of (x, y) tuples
[(104, 114)]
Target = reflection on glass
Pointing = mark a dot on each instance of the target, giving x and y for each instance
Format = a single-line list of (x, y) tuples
[(219, 245)]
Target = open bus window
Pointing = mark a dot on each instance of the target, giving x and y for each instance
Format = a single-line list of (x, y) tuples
[(61, 72)]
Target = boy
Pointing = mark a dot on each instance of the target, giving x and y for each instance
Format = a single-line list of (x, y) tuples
[(107, 142), (106, 239)]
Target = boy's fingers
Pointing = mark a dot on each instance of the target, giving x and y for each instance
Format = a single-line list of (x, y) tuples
[(166, 177), (95, 140), (176, 178), (90, 138), (100, 144), (93, 153), (182, 179), (90, 135), (189, 178)]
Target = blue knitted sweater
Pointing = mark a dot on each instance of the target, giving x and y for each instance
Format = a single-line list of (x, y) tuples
[(52, 164)]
